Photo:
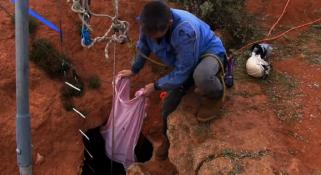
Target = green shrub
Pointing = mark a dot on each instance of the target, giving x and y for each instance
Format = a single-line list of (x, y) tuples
[(229, 16), (33, 25), (67, 104), (94, 82), (44, 55)]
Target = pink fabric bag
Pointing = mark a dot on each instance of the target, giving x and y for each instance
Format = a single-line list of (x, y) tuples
[(128, 121)]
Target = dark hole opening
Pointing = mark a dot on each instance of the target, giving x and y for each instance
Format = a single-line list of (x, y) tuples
[(96, 161)]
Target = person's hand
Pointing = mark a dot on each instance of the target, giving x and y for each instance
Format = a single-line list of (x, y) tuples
[(125, 73), (149, 88)]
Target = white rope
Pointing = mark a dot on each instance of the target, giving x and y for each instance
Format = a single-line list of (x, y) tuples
[(113, 107), (120, 35), (96, 14), (81, 11), (77, 7), (119, 27), (116, 4)]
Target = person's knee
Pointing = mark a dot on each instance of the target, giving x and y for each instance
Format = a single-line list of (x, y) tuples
[(207, 68), (206, 78)]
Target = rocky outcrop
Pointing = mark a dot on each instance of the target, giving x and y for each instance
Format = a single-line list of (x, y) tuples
[(225, 145)]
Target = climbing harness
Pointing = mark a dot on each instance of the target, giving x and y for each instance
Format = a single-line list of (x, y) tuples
[(118, 27)]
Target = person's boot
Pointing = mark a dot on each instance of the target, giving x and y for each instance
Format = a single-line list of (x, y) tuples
[(161, 153), (209, 109)]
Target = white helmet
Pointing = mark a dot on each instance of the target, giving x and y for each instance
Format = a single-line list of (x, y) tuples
[(258, 65), (255, 66)]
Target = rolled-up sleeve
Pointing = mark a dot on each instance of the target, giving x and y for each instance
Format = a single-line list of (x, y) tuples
[(185, 43), (139, 60)]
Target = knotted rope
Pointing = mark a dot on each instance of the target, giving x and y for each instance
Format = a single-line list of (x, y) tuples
[(118, 27)]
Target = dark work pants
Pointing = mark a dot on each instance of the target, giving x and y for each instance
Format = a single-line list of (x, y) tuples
[(205, 77)]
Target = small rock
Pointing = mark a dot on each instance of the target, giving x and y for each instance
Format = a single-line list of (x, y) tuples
[(316, 85), (137, 169), (39, 159)]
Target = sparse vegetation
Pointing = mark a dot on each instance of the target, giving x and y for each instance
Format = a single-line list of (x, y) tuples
[(68, 92), (306, 45), (310, 42), (33, 24), (229, 16), (44, 55), (281, 89), (235, 158), (94, 82), (232, 155), (237, 169), (297, 136), (67, 104), (57, 66)]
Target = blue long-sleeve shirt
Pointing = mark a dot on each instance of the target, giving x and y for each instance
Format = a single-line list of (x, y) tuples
[(181, 48)]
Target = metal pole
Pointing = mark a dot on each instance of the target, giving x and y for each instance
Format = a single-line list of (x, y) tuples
[(23, 130)]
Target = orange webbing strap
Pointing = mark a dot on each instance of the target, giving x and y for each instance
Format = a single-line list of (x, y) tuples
[(132, 46)]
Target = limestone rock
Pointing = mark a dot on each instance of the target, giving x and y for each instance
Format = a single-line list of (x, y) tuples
[(225, 145), (39, 159)]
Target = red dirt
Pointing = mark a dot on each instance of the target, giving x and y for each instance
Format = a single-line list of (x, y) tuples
[(307, 139), (55, 131), (298, 12)]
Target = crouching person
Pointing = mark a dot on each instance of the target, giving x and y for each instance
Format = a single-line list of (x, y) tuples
[(188, 45)]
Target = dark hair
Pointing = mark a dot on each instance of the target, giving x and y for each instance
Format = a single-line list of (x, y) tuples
[(155, 17)]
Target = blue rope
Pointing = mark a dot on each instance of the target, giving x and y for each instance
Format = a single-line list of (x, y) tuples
[(85, 36)]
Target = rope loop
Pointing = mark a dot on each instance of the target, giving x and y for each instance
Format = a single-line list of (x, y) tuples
[(118, 27)]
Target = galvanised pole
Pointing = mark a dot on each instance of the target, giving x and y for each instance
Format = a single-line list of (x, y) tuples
[(23, 129)]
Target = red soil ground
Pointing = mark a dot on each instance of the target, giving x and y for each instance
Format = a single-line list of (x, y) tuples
[(55, 131)]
